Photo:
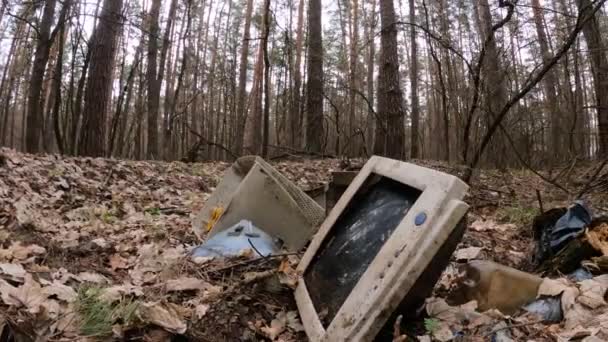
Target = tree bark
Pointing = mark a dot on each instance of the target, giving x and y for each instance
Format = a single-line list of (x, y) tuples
[(98, 91), (354, 58), (599, 67), (295, 117), (253, 124), (370, 77), (241, 108), (414, 134), (556, 147), (267, 103), (495, 89), (314, 86), (390, 132), (41, 57), (57, 91), (152, 77)]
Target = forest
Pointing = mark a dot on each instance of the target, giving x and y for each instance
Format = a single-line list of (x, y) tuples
[(303, 170), (478, 82)]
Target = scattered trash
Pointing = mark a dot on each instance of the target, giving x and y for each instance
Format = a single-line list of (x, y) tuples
[(501, 333), (252, 189), (241, 239), (552, 238), (549, 308), (495, 286), (580, 274)]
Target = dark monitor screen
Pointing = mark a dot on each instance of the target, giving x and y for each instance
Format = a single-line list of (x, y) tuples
[(355, 239)]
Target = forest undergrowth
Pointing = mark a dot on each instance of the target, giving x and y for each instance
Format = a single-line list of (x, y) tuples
[(98, 249)]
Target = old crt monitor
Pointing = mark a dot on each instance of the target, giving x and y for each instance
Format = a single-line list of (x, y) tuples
[(380, 250)]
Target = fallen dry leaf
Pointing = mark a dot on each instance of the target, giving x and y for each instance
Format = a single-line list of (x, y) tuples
[(95, 278), (114, 293), (593, 291), (187, 284), (277, 326), (14, 272), (20, 252), (28, 295), (484, 225), (454, 316), (293, 321), (468, 253), (165, 315), (118, 263), (60, 291), (201, 310)]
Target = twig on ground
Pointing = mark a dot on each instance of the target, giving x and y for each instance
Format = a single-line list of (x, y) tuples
[(512, 326), (540, 201), (250, 261)]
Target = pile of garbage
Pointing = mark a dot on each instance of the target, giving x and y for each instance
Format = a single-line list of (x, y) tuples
[(567, 304)]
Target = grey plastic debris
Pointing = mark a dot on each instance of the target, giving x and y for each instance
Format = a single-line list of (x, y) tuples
[(236, 240), (547, 307), (501, 333), (580, 274)]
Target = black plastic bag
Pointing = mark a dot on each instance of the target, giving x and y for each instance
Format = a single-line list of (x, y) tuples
[(553, 234)]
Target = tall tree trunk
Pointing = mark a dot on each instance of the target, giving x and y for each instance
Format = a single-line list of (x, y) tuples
[(152, 76), (241, 96), (57, 90), (599, 67), (98, 91), (295, 117), (80, 88), (41, 57), (267, 103), (390, 139), (354, 58), (119, 121), (550, 87), (253, 124), (414, 141), (168, 153), (370, 76), (495, 86), (8, 65), (314, 86)]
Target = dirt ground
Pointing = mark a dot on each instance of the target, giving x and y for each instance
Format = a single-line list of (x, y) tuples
[(98, 249)]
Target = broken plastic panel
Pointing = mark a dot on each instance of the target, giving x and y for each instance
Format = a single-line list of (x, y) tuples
[(252, 189), (380, 250), (242, 238)]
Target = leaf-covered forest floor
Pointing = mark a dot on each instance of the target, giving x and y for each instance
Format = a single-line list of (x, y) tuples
[(98, 249)]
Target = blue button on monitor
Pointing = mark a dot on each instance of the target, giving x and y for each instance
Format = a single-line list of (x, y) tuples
[(420, 219)]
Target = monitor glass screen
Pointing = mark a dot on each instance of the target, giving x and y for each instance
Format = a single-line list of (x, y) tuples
[(353, 242)]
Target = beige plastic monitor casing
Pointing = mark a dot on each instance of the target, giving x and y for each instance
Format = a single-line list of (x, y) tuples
[(259, 193), (400, 261)]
